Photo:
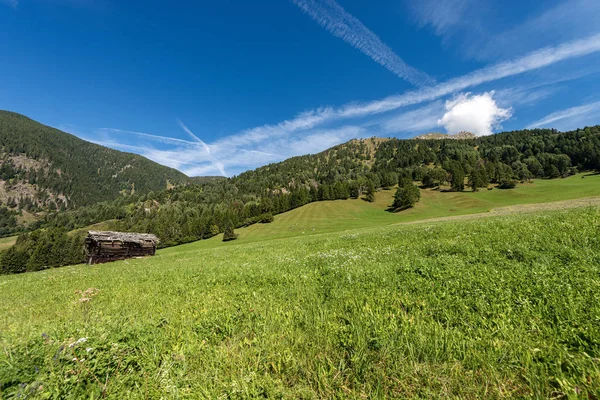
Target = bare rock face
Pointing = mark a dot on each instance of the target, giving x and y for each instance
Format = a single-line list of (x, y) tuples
[(437, 135), (464, 135)]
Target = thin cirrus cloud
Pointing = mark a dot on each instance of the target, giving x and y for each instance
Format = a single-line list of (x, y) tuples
[(530, 62), (566, 20), (448, 18), (175, 157), (442, 15), (191, 157), (345, 26), (308, 120), (570, 118), (419, 120), (312, 131)]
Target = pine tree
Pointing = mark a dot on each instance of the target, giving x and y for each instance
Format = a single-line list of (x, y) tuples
[(478, 179), (229, 234), (370, 192), (458, 179)]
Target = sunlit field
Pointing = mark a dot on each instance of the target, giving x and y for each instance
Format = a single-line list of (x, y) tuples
[(340, 215), (497, 307)]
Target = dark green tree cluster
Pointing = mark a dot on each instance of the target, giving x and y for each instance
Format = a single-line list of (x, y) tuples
[(406, 196), (42, 249), (500, 159), (8, 220)]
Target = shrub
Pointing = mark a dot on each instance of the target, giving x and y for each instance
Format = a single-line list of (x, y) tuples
[(266, 218), (507, 184), (229, 234)]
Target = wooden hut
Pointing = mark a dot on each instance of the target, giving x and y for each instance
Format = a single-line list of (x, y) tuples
[(107, 246)]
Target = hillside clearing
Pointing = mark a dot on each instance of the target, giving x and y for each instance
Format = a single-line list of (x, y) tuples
[(340, 215), (7, 242)]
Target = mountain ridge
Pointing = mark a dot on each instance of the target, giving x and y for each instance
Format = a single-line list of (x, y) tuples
[(43, 169), (462, 135)]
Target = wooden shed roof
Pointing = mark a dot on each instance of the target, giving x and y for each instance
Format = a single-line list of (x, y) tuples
[(125, 237)]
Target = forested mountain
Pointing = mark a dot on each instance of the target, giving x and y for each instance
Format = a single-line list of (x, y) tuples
[(209, 206), (44, 170)]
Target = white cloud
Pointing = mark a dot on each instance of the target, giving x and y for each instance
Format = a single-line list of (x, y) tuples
[(478, 114), (340, 23), (531, 61), (312, 131), (570, 118)]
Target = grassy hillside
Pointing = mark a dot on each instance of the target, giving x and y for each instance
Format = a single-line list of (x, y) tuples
[(339, 215), (498, 307)]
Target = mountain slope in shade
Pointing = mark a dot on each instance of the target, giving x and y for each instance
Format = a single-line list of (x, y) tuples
[(45, 169)]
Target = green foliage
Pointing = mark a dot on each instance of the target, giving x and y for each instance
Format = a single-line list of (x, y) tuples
[(266, 218), (406, 197), (388, 179), (478, 178), (504, 307), (507, 184), (13, 261), (229, 234), (41, 250), (435, 177), (370, 192), (405, 177), (458, 178)]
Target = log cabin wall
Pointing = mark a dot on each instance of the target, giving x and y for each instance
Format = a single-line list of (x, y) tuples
[(104, 247)]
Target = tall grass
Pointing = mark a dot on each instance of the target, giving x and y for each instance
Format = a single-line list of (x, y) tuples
[(501, 307)]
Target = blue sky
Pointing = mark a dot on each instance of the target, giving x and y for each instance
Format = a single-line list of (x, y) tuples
[(216, 88)]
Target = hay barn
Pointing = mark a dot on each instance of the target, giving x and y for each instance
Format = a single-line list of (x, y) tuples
[(106, 246)]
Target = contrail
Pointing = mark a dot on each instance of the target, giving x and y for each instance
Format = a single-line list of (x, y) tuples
[(163, 139), (215, 162), (339, 23)]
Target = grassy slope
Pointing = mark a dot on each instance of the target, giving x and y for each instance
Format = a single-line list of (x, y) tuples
[(501, 307), (331, 216)]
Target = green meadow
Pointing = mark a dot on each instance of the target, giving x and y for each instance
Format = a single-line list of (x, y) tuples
[(499, 307), (339, 215)]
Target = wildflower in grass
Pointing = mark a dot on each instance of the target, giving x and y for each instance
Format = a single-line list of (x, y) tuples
[(78, 342), (86, 295)]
